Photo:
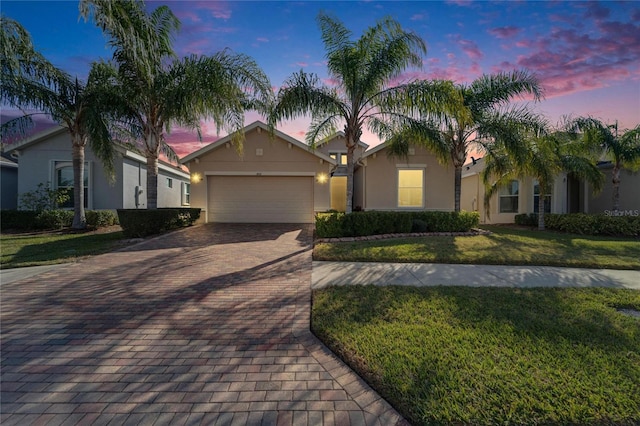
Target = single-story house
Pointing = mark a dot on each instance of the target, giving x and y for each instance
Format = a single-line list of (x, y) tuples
[(569, 195), (9, 183), (281, 179), (46, 158)]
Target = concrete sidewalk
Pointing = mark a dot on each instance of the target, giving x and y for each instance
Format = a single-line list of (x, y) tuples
[(429, 274)]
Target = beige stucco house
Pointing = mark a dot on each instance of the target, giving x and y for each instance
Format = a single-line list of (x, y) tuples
[(569, 195), (281, 179)]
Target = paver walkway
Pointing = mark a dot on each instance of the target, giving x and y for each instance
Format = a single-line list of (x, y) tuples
[(207, 325)]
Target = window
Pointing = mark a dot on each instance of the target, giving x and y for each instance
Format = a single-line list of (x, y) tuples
[(186, 193), (536, 199), (63, 179), (509, 197), (341, 156), (169, 183), (410, 187)]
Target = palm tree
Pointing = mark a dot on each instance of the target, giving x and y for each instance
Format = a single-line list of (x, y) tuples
[(18, 58), (34, 83), (541, 156), (364, 70), (482, 117), (623, 150), (160, 91)]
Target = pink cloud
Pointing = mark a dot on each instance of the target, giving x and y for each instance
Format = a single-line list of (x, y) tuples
[(262, 39), (471, 49), (417, 17), (217, 9), (302, 64), (504, 32)]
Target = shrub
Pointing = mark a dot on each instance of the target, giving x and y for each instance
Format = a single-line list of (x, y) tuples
[(419, 225), (331, 225), (585, 224), (527, 219), (17, 219), (54, 219), (100, 218), (141, 223), (43, 198)]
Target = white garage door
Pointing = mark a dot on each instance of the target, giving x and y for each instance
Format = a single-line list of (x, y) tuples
[(261, 199)]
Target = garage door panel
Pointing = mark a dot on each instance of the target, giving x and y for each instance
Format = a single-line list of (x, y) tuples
[(261, 199)]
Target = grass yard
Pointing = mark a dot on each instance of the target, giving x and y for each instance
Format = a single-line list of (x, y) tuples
[(505, 246), (457, 355), (47, 248)]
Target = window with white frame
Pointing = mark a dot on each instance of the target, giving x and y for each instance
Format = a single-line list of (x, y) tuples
[(508, 196), (169, 183), (63, 180), (340, 157), (186, 193), (536, 199), (410, 187)]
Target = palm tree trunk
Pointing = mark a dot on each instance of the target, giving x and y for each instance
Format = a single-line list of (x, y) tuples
[(350, 168), (541, 197), (615, 180), (152, 181), (457, 187), (79, 219)]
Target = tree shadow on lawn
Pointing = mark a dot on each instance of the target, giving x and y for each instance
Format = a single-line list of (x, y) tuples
[(64, 250)]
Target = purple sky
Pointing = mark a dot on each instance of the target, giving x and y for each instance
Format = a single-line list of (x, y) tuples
[(585, 54)]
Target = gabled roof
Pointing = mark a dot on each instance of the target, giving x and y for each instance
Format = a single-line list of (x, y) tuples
[(36, 138), (340, 134), (375, 149), (126, 151), (475, 166), (256, 125)]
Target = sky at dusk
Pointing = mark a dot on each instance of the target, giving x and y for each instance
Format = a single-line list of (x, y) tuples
[(585, 54)]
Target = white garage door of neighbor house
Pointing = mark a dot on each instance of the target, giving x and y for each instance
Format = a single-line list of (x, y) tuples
[(261, 199)]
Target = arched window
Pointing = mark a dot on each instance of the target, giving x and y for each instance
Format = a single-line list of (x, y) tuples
[(63, 179)]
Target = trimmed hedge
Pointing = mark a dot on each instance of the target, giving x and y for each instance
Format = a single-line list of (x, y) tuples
[(359, 224), (101, 218), (25, 220), (585, 224), (138, 223)]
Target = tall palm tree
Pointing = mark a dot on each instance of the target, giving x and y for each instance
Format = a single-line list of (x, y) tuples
[(19, 58), (160, 91), (541, 156), (364, 70), (34, 83), (482, 117), (623, 150)]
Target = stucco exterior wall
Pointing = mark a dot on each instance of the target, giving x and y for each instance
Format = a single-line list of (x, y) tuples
[(629, 193), (261, 154), (381, 181), (37, 165)]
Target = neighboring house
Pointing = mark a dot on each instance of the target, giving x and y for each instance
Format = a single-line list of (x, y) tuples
[(280, 179), (8, 182), (46, 158), (569, 195)]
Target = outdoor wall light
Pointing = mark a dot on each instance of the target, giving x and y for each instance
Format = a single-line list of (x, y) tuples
[(322, 178), (196, 177)]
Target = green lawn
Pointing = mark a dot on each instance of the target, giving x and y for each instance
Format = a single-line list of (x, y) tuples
[(504, 246), (20, 250), (458, 355)]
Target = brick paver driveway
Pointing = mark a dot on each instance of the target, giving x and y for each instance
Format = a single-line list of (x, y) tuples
[(207, 325)]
